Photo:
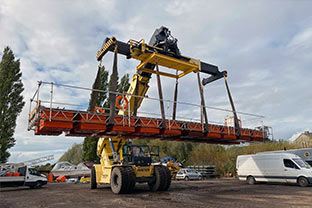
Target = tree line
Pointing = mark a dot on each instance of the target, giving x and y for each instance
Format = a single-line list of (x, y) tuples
[(223, 157)]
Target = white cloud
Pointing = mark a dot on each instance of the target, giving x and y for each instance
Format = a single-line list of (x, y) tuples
[(303, 39), (266, 49)]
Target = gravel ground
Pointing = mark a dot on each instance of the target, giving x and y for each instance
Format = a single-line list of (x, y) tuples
[(206, 193)]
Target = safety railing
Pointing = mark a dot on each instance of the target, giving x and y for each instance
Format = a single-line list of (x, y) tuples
[(46, 97)]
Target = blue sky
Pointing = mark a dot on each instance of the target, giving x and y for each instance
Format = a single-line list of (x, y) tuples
[(266, 47)]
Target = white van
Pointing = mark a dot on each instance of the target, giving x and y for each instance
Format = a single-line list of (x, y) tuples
[(25, 176), (275, 167)]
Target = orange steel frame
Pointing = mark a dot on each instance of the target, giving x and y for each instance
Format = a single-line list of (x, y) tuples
[(46, 121)]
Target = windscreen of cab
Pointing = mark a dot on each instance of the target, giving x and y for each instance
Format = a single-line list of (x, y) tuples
[(301, 163)]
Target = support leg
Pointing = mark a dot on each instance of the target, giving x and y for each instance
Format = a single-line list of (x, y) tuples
[(236, 124), (161, 101), (204, 112), (136, 98), (113, 89), (175, 100)]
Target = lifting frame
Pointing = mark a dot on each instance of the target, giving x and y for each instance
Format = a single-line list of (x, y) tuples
[(54, 121)]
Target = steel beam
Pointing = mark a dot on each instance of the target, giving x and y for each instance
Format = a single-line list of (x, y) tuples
[(161, 101), (112, 89), (201, 92)]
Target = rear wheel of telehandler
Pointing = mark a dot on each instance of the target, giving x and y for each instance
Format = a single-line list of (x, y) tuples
[(93, 178), (159, 181), (119, 180)]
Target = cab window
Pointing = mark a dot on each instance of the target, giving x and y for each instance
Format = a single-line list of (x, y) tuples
[(33, 172), (301, 163), (290, 164)]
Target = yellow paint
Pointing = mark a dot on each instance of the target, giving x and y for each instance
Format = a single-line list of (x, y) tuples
[(161, 73), (143, 171), (140, 51), (166, 61)]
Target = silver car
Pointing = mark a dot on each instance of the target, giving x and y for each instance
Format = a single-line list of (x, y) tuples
[(188, 174)]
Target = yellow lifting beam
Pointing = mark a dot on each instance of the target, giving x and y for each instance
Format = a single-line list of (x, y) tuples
[(166, 61)]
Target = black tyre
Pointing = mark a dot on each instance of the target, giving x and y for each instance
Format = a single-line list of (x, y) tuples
[(119, 180), (93, 179), (303, 182), (37, 185), (131, 179), (159, 182), (167, 175), (251, 180), (186, 178)]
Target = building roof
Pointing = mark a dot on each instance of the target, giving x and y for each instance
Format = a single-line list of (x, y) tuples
[(304, 139)]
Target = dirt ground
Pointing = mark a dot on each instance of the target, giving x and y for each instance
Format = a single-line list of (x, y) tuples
[(206, 193)]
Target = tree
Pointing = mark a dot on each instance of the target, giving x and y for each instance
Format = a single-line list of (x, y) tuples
[(124, 84), (11, 101), (89, 149), (73, 155), (101, 97), (102, 100)]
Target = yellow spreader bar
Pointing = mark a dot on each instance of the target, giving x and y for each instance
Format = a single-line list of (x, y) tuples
[(166, 61)]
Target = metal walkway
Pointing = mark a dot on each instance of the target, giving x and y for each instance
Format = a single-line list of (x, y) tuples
[(53, 121)]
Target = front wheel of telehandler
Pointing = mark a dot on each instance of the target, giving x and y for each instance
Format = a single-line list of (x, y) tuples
[(119, 180)]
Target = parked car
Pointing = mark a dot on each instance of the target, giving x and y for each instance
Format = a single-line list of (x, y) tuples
[(188, 174)]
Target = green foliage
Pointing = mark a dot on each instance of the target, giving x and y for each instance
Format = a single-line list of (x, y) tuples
[(225, 157), (124, 84), (11, 101), (73, 155), (103, 86), (89, 149), (207, 154), (47, 167)]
